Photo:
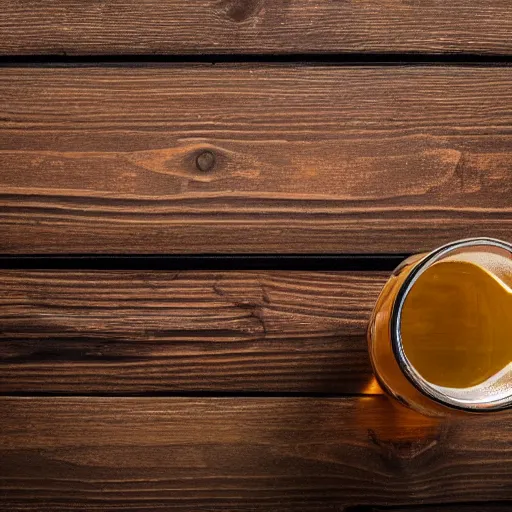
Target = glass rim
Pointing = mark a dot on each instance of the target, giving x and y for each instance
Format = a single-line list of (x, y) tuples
[(406, 367)]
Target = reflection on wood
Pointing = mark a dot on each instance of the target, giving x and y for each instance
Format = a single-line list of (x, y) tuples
[(248, 454)]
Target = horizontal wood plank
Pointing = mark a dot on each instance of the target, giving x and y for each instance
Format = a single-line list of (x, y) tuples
[(253, 158), (255, 26), (146, 332), (490, 506), (244, 454)]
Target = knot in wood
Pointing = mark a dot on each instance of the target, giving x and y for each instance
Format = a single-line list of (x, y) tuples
[(205, 161)]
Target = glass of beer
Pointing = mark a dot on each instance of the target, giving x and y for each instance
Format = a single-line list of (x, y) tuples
[(440, 336)]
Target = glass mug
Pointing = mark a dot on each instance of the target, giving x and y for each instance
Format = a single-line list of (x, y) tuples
[(440, 336)]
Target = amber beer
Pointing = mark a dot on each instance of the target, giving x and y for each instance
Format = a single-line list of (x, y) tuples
[(440, 337)]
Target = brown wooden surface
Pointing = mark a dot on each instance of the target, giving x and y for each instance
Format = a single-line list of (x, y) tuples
[(141, 332), (243, 454), (303, 159), (179, 158), (255, 26), (488, 506)]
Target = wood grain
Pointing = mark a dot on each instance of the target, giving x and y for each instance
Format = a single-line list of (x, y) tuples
[(302, 159), (451, 507), (243, 454), (146, 332), (255, 26)]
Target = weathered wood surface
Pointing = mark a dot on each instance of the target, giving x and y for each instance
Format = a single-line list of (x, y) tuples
[(255, 26), (243, 454), (143, 332), (253, 158)]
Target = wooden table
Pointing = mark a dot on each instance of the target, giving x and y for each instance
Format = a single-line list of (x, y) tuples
[(199, 204)]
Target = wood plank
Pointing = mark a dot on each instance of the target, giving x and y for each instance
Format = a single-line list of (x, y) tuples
[(255, 26), (146, 332), (256, 158), (452, 507), (244, 454)]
